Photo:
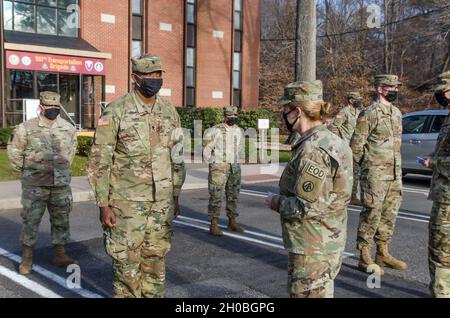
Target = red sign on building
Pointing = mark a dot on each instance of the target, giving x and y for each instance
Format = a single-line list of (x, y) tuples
[(54, 63)]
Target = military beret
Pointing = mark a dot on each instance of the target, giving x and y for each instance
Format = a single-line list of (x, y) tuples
[(302, 92), (50, 98), (387, 80), (442, 82), (146, 63)]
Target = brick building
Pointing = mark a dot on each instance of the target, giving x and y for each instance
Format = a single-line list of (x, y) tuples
[(82, 49)]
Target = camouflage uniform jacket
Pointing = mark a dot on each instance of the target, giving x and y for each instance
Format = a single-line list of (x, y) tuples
[(315, 189), (131, 159), (440, 163), (43, 153), (376, 142), (223, 144), (345, 122)]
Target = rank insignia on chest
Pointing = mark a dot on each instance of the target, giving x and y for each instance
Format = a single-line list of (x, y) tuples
[(311, 181)]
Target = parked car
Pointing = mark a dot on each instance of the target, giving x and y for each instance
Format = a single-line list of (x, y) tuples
[(420, 133)]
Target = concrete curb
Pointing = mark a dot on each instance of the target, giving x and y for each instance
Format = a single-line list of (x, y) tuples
[(87, 196)]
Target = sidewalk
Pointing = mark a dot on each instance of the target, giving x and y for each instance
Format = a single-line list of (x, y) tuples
[(196, 178)]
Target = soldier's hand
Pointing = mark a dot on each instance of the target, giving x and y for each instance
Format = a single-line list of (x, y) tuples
[(426, 163), (107, 217), (269, 199), (177, 210)]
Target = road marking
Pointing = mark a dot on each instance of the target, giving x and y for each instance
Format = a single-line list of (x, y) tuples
[(51, 276), (237, 236), (275, 238), (402, 215), (28, 283), (253, 194)]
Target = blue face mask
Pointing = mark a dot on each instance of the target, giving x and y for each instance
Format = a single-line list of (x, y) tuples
[(51, 113)]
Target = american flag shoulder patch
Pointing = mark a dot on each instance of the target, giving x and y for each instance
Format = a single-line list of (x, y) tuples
[(103, 122)]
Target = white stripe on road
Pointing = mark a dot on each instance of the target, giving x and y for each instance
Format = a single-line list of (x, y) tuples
[(253, 194), (237, 236), (417, 217), (51, 276), (271, 237), (28, 283), (400, 216)]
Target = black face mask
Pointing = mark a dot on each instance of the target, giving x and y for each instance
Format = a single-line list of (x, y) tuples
[(51, 113), (289, 126), (357, 104), (231, 121), (150, 86), (391, 96), (442, 99)]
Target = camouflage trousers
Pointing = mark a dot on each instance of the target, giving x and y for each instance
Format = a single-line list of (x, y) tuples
[(224, 179), (313, 276), (356, 189), (35, 200), (439, 250), (381, 201), (138, 245)]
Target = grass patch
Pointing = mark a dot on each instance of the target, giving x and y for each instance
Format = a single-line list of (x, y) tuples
[(7, 173)]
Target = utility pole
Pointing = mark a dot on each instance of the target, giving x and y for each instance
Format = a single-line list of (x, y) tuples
[(305, 56), (2, 66)]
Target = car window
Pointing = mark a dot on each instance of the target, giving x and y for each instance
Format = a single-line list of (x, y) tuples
[(414, 124), (437, 124)]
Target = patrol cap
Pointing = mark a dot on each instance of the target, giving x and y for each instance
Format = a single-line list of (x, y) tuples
[(302, 92), (354, 95), (50, 98), (146, 64), (230, 111), (442, 82), (387, 80)]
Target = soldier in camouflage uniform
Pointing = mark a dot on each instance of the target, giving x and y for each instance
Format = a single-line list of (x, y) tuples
[(376, 149), (136, 171), (223, 151), (42, 149), (344, 125), (315, 189), (439, 227)]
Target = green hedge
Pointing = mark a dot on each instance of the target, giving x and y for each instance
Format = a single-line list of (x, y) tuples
[(5, 133), (213, 116), (84, 145)]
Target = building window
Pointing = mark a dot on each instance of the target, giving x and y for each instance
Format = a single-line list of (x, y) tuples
[(53, 17), (191, 8), (237, 57), (138, 19)]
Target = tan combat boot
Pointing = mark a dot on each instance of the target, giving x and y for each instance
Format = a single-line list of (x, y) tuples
[(234, 227), (214, 228), (383, 258), (365, 259), (60, 258), (27, 260)]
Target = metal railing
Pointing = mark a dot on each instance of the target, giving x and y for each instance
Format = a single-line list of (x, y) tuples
[(17, 115)]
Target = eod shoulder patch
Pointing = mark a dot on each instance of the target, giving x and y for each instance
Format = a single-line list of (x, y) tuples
[(311, 181)]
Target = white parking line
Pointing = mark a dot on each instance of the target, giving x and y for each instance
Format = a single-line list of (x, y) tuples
[(51, 276), (237, 236), (402, 215), (28, 283)]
